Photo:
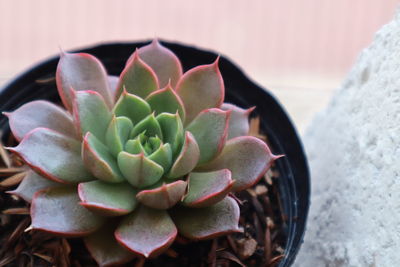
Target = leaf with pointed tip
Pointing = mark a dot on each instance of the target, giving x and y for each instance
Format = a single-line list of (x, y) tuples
[(105, 249), (149, 125), (166, 100), (162, 156), (117, 134), (40, 113), (247, 157), (31, 184), (187, 158), (138, 170), (209, 129), (206, 223), (134, 146), (53, 155), (107, 199), (239, 121), (113, 83), (81, 72), (146, 231), (172, 129), (207, 188), (201, 88), (99, 161), (163, 61), (91, 114), (131, 106), (137, 78), (56, 210)]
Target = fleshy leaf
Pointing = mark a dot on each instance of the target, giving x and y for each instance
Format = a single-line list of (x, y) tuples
[(40, 113), (138, 170), (57, 210), (107, 199), (137, 78), (149, 125), (91, 114), (53, 155), (134, 146), (32, 183), (99, 161), (207, 188), (166, 100), (210, 222), (210, 129), (81, 72), (247, 157), (239, 121), (105, 249), (163, 156), (187, 158), (113, 83), (163, 61), (146, 231), (201, 88), (163, 197), (117, 134), (131, 106), (172, 129)]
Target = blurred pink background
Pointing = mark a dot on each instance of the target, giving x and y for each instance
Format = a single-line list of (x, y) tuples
[(299, 49)]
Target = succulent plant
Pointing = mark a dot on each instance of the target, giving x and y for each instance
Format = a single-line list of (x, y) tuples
[(127, 165)]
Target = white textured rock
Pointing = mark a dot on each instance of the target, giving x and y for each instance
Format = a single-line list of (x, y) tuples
[(354, 152)]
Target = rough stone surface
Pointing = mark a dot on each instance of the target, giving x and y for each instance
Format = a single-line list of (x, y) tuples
[(354, 152)]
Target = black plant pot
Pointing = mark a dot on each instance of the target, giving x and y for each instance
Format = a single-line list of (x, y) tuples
[(294, 180)]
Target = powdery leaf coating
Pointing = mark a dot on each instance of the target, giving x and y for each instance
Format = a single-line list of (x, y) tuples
[(40, 113), (172, 130), (117, 134), (56, 210), (81, 72), (239, 121), (131, 106), (113, 83)]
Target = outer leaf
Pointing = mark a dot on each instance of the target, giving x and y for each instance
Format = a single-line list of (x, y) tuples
[(107, 199), (149, 125), (166, 100), (239, 121), (210, 129), (146, 231), (247, 157), (172, 129), (117, 134), (56, 210), (187, 158), (81, 72), (206, 223), (32, 183), (201, 88), (105, 249), (53, 155), (113, 83), (40, 114), (91, 114), (163, 61), (163, 197), (138, 170), (137, 78), (163, 156), (207, 188), (131, 106)]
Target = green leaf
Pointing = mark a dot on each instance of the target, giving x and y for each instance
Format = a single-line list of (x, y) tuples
[(131, 106), (239, 121), (210, 129), (172, 129), (163, 156), (201, 88), (57, 210), (163, 197), (137, 78), (91, 114), (166, 100), (210, 222), (207, 188), (187, 158), (149, 125), (117, 134), (99, 160), (53, 155), (112, 84), (138, 170), (40, 113), (107, 199), (134, 146), (146, 231), (81, 72)]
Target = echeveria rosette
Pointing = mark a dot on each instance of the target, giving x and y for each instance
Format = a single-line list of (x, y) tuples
[(135, 160)]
